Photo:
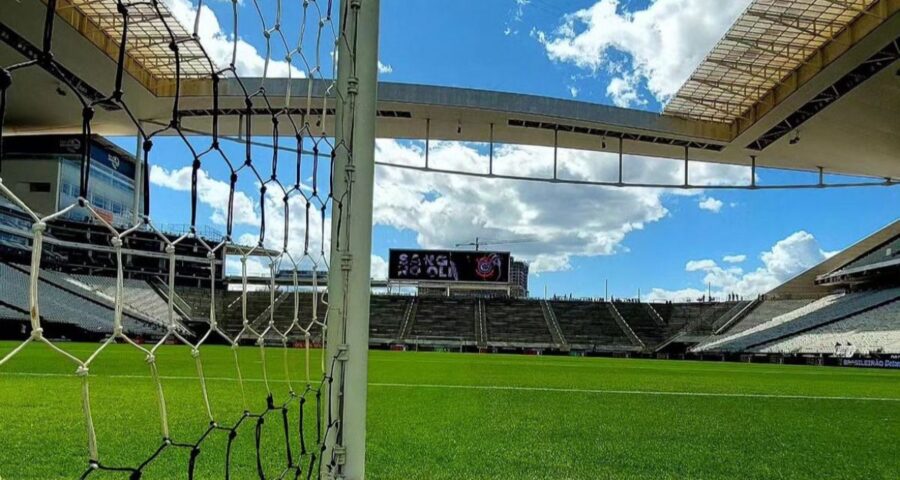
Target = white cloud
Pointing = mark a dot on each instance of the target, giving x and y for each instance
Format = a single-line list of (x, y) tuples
[(711, 204), (734, 258), (568, 220), (379, 268), (384, 68), (211, 192), (665, 41), (214, 194), (623, 93), (696, 265), (573, 91), (786, 259), (220, 47)]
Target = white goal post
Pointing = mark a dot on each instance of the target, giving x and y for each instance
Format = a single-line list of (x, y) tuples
[(351, 242)]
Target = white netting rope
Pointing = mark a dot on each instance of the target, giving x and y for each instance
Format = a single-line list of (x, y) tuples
[(302, 455)]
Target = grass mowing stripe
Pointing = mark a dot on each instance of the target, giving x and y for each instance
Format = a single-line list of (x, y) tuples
[(497, 387), (633, 392)]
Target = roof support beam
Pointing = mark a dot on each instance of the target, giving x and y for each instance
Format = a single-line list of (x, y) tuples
[(794, 22), (766, 47), (769, 74), (718, 106), (856, 7), (740, 90)]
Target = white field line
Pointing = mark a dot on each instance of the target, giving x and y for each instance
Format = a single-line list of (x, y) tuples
[(756, 368), (498, 387)]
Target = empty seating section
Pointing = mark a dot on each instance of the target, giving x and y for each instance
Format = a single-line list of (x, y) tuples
[(258, 309), (439, 317), (588, 323), (683, 314), (641, 322), (516, 321), (7, 313), (138, 295), (873, 331), (665, 311), (386, 314), (765, 311), (711, 314), (198, 299), (825, 310), (60, 306), (726, 316), (867, 320)]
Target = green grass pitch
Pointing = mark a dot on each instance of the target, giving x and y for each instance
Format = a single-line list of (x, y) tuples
[(452, 416)]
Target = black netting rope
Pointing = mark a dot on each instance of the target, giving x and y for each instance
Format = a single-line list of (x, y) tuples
[(304, 132)]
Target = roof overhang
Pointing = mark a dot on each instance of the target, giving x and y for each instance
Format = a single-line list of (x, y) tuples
[(805, 284), (855, 133)]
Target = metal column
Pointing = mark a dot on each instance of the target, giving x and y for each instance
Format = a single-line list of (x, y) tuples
[(351, 239), (138, 202)]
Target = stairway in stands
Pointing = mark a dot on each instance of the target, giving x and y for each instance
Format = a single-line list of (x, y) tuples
[(388, 317), (409, 318), (625, 326), (481, 334), (553, 325), (588, 324)]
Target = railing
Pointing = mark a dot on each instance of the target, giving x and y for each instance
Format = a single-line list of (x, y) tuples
[(738, 316), (409, 318), (260, 321), (655, 315), (181, 307), (625, 326), (553, 323), (481, 336)]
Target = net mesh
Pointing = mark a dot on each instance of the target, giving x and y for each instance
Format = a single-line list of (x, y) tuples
[(299, 398)]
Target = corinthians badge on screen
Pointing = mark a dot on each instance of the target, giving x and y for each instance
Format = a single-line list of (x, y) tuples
[(488, 267)]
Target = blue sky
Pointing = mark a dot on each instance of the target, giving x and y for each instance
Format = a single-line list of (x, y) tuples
[(624, 53)]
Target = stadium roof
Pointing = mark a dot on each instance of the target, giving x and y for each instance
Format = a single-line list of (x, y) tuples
[(799, 84), (809, 283), (761, 50)]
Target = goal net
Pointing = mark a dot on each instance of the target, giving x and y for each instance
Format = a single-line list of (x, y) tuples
[(298, 181)]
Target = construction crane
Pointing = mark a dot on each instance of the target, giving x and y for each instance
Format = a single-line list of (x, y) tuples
[(478, 243)]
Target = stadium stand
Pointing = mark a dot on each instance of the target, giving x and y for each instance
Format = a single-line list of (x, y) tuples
[(870, 332), (138, 295), (814, 314), (386, 317), (444, 318), (197, 300), (481, 332), (90, 318), (726, 317), (587, 324), (555, 330), (511, 322), (647, 328), (409, 318), (766, 310)]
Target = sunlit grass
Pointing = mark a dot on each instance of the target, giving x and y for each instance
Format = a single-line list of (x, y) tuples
[(434, 415)]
